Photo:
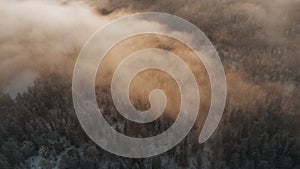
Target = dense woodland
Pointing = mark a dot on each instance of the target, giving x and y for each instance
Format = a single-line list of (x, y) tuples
[(39, 128)]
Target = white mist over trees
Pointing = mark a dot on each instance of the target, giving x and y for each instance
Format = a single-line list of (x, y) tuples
[(257, 42)]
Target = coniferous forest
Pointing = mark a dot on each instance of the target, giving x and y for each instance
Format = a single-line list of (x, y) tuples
[(258, 44)]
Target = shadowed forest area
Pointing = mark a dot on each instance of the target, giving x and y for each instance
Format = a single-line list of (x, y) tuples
[(257, 41), (42, 125)]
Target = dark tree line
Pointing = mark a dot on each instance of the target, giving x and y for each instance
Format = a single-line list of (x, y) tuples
[(41, 125)]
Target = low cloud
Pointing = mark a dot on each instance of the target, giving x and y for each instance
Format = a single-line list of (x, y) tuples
[(255, 40)]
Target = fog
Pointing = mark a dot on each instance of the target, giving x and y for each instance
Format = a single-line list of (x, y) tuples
[(255, 41), (38, 36)]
